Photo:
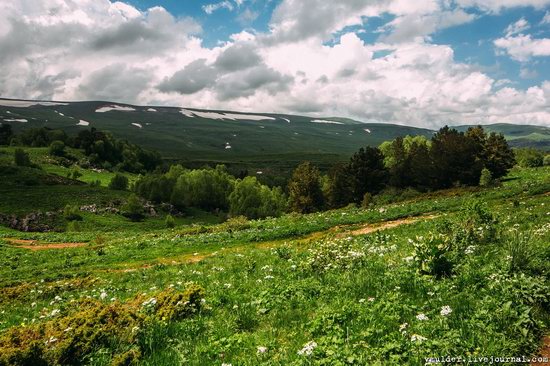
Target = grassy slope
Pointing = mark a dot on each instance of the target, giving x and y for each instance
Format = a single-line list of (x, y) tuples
[(256, 297)]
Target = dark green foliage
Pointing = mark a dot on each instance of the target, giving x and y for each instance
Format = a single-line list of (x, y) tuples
[(254, 200), (499, 157), (21, 158), (156, 188), (103, 148), (75, 174), (546, 160), (340, 186), (41, 137), (57, 148), (207, 189), (169, 221), (305, 189), (72, 213), (6, 134), (529, 158), (455, 159), (133, 209), (367, 172), (119, 182)]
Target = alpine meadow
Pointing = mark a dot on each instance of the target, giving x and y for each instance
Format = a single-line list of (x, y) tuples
[(274, 182)]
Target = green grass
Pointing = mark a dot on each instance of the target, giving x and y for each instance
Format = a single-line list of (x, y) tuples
[(282, 283)]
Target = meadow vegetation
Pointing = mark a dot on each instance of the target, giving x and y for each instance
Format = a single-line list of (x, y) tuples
[(387, 258)]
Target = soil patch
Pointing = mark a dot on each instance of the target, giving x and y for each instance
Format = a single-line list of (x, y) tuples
[(35, 245), (544, 352)]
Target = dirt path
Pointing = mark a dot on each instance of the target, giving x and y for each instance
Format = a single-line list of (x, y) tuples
[(340, 231), (35, 245), (544, 352)]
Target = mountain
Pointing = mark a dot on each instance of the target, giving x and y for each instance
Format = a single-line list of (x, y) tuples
[(197, 135), (208, 135), (520, 135)]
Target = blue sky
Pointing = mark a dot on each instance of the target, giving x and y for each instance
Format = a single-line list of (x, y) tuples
[(423, 62)]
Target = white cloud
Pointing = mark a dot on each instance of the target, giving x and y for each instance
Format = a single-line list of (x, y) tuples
[(546, 18), (496, 6), (211, 8), (523, 47), (517, 27), (95, 49)]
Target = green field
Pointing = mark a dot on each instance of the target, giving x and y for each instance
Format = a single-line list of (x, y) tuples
[(456, 272)]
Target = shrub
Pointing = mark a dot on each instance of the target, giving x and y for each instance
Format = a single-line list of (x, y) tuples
[(72, 213), (75, 174), (70, 339), (235, 224), (133, 209), (546, 160), (57, 148), (432, 255), (74, 226), (95, 183), (169, 221), (529, 158), (119, 182), (486, 178), (367, 200), (21, 158)]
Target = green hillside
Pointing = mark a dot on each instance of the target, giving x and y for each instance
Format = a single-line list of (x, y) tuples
[(520, 135), (199, 135)]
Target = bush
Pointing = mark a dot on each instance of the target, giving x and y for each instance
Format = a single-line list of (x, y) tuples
[(236, 224), (169, 221), (367, 200), (74, 174), (546, 160), (486, 178), (21, 158), (57, 148), (72, 213), (254, 200), (95, 183), (133, 209), (74, 226), (119, 182), (529, 158)]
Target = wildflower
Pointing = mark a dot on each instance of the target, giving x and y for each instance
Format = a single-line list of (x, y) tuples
[(33, 305), (227, 285), (268, 277), (470, 249), (422, 317), (371, 299), (262, 349), (446, 310), (68, 329), (57, 298), (54, 312), (151, 302), (403, 326), (417, 338), (226, 364), (361, 301), (308, 348), (103, 295), (51, 340)]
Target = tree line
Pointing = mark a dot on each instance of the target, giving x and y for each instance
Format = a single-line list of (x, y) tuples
[(102, 149)]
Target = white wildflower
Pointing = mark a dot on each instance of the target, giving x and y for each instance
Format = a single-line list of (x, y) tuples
[(446, 310), (403, 326), (308, 348), (422, 317), (417, 338), (361, 301), (227, 285), (262, 349), (103, 295)]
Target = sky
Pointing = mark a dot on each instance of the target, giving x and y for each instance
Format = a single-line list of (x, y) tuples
[(422, 63)]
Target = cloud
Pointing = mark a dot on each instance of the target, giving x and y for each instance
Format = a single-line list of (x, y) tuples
[(97, 49), (517, 27), (546, 18), (523, 47), (496, 6), (211, 8)]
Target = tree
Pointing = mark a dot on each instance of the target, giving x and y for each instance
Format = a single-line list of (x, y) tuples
[(456, 158), (499, 157), (305, 189), (207, 189), (119, 182), (367, 172), (6, 134), (254, 200), (340, 186), (57, 148), (133, 209), (21, 158)]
